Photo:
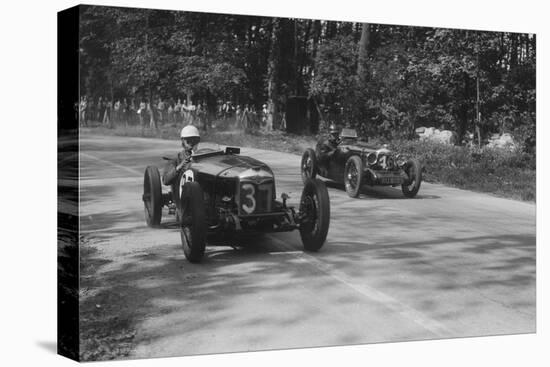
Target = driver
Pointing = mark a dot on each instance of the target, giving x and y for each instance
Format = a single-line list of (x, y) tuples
[(190, 139), (327, 147)]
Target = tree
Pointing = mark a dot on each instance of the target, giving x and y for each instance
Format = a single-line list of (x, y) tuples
[(362, 55), (388, 79)]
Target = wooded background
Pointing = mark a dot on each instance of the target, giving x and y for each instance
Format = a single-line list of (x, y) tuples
[(384, 80)]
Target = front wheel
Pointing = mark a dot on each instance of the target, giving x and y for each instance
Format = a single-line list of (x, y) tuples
[(152, 196), (353, 176), (193, 222), (308, 167), (414, 172), (315, 214)]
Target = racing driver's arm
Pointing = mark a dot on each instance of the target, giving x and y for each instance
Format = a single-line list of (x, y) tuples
[(327, 148), (174, 166)]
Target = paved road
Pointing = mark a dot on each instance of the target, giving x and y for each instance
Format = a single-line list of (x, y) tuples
[(450, 263)]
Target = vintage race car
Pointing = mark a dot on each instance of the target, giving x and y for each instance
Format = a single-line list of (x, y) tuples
[(356, 163), (224, 195)]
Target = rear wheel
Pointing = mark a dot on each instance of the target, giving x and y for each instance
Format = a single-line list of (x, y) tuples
[(193, 222), (353, 176), (308, 166), (315, 214), (152, 196), (414, 171)]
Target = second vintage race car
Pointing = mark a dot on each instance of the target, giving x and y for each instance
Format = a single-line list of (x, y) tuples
[(224, 195), (356, 163)]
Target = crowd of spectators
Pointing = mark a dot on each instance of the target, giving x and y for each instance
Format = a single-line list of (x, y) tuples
[(143, 113)]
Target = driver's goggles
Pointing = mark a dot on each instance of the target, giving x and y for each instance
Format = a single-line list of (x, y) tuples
[(194, 140)]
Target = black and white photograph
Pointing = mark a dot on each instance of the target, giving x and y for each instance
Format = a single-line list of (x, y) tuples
[(240, 184), (251, 183)]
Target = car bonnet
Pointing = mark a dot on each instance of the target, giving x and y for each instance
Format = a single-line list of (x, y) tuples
[(231, 165)]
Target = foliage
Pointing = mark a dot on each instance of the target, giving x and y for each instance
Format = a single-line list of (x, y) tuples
[(507, 173), (409, 76)]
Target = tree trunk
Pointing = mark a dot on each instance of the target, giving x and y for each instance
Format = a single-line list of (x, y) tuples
[(316, 35), (514, 52), (273, 74), (303, 59), (464, 107), (295, 63), (363, 53), (331, 29)]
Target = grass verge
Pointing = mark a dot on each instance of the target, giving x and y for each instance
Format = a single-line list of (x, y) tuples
[(272, 140)]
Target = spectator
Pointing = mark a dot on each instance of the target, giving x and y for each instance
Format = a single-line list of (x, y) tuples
[(192, 113), (227, 110), (170, 113), (82, 109), (265, 116), (100, 109), (151, 112), (161, 107), (238, 116), (219, 110), (246, 117), (107, 113), (189, 111), (177, 111), (254, 120), (283, 122), (200, 114), (185, 112), (141, 113), (117, 112), (131, 112), (91, 110), (124, 112)]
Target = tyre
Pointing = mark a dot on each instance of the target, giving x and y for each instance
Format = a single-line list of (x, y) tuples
[(193, 222), (308, 167), (414, 171), (315, 214), (353, 176), (152, 196)]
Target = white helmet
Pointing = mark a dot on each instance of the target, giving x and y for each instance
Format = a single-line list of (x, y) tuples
[(189, 131)]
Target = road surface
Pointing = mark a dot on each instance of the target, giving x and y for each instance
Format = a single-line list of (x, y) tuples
[(449, 263)]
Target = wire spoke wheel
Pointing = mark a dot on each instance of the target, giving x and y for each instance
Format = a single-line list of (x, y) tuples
[(412, 181), (193, 222), (308, 166), (413, 170), (314, 214), (353, 176), (152, 196), (310, 208)]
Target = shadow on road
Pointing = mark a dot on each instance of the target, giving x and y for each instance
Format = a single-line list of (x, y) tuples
[(156, 283), (114, 302), (379, 192)]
